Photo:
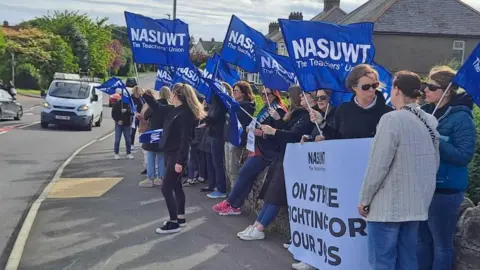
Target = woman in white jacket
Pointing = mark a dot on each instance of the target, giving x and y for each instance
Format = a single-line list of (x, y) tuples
[(400, 178)]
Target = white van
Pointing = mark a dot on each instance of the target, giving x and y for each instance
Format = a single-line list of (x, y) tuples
[(73, 102)]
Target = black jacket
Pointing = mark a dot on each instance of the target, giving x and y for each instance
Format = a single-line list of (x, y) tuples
[(138, 103), (352, 121), (327, 132), (216, 118), (178, 133), (269, 148), (291, 131), (244, 119), (156, 114), (126, 116)]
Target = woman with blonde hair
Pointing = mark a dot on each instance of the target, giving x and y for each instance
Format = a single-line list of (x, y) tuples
[(155, 115), (175, 142), (457, 148)]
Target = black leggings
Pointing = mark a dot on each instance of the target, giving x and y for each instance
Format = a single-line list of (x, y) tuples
[(172, 188)]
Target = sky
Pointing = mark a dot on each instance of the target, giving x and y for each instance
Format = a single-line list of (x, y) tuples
[(206, 18)]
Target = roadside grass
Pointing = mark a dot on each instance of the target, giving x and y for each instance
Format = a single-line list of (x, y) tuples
[(28, 92)]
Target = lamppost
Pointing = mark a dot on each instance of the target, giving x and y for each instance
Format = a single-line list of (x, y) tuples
[(174, 9)]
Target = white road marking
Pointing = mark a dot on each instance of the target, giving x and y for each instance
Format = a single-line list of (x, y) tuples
[(28, 125), (34, 107), (2, 132), (28, 113), (19, 246)]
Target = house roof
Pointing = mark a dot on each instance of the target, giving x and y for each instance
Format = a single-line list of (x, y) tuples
[(332, 15), (438, 17), (210, 45)]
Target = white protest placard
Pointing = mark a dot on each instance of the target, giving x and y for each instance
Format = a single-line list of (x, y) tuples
[(323, 182), (251, 136)]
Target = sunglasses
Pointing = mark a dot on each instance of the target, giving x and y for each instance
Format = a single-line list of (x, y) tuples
[(431, 87), (321, 98), (266, 94), (366, 87)]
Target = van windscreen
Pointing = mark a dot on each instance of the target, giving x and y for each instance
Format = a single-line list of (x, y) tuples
[(69, 90)]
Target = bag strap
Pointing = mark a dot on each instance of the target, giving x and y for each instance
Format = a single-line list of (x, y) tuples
[(417, 114)]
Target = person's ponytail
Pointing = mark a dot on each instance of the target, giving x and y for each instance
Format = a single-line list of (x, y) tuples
[(187, 94)]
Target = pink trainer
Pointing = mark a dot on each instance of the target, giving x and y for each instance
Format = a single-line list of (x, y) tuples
[(220, 206)]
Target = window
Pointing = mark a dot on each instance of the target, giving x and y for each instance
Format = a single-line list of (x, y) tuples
[(282, 49), (458, 52)]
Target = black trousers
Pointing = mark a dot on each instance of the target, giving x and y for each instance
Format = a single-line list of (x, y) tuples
[(134, 130), (172, 189)]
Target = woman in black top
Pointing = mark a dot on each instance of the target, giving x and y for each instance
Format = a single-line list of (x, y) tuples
[(288, 129), (323, 116), (175, 142), (156, 114), (359, 117)]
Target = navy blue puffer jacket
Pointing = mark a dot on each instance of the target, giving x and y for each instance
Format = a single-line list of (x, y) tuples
[(457, 142)]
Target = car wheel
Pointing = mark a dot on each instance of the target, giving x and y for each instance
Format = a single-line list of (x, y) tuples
[(99, 122), (19, 114), (44, 124), (89, 127)]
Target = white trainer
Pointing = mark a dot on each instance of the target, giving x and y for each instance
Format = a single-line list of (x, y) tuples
[(302, 266), (252, 235), (146, 183), (130, 156), (117, 157), (246, 231), (158, 182)]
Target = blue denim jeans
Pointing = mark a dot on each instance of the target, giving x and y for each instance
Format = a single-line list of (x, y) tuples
[(267, 214), (247, 175), (218, 155), (193, 163), (392, 245), (125, 130), (435, 236), (155, 159)]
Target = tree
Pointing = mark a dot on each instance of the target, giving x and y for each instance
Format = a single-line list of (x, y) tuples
[(3, 45), (95, 36), (198, 58), (116, 49), (5, 24)]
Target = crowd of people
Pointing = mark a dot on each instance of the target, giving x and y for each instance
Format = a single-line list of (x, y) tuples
[(413, 186)]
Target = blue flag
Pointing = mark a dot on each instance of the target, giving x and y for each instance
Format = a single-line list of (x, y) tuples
[(468, 76), (386, 78), (110, 87), (162, 42), (151, 136), (223, 71), (191, 75), (163, 79), (276, 71), (239, 44), (323, 54), (235, 128)]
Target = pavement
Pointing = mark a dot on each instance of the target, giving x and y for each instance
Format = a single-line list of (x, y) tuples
[(96, 217), (29, 157)]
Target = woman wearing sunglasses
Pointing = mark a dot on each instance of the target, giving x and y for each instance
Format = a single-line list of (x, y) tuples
[(266, 151), (457, 147), (359, 117), (321, 116)]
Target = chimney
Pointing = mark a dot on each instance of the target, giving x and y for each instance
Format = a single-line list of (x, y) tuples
[(329, 4), (200, 40), (213, 40), (296, 16), (273, 27)]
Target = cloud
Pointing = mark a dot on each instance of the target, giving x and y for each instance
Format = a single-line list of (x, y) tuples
[(207, 19)]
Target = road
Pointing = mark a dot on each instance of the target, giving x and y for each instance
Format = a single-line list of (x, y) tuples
[(29, 157)]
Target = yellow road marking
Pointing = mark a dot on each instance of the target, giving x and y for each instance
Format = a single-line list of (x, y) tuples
[(66, 188)]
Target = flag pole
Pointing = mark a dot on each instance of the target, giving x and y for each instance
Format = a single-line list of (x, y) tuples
[(310, 109)]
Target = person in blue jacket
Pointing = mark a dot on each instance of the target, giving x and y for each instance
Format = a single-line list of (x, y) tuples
[(457, 147)]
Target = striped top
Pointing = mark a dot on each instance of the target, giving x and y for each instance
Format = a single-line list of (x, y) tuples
[(400, 178)]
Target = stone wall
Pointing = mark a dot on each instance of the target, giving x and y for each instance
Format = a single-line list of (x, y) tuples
[(467, 238)]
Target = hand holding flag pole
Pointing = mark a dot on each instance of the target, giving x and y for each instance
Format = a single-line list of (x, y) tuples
[(310, 109)]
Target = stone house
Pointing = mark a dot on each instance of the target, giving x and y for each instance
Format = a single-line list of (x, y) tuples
[(418, 34), (206, 47)]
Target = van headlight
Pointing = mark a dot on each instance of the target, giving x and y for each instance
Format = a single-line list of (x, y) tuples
[(83, 108), (46, 105)]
